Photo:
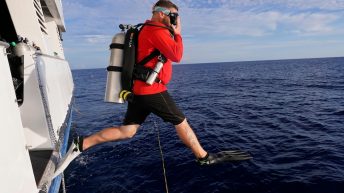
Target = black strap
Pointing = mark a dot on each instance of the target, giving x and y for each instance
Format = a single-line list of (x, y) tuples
[(149, 23), (116, 46), (114, 68), (169, 28), (157, 80), (155, 52), (149, 57)]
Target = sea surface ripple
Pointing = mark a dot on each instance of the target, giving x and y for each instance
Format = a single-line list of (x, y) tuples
[(289, 114)]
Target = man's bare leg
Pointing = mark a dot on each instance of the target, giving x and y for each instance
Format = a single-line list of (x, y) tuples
[(189, 138), (105, 135), (110, 134)]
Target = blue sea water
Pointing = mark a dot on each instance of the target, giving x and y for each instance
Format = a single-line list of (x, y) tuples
[(289, 114)]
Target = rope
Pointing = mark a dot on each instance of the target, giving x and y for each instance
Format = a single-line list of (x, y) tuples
[(53, 138), (162, 155), (63, 184)]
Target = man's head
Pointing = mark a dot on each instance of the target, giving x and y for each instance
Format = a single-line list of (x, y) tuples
[(165, 12)]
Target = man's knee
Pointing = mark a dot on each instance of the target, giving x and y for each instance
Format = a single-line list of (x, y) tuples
[(182, 124), (129, 131)]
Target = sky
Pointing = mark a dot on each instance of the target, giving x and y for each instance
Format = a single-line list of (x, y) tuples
[(212, 30)]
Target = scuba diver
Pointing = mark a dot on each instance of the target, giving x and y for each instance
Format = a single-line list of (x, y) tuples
[(162, 33)]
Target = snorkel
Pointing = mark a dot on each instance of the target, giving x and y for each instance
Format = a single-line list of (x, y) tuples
[(173, 16)]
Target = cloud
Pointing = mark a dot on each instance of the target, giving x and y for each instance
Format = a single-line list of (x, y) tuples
[(242, 30), (246, 50), (313, 23), (104, 15), (226, 19), (328, 5), (265, 4), (233, 23), (213, 17), (96, 39)]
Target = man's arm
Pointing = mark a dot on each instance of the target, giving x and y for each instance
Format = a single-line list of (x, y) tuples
[(171, 48)]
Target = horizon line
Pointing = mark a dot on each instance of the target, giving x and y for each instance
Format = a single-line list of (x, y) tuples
[(239, 61)]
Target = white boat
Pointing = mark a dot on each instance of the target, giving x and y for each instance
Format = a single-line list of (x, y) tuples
[(36, 95)]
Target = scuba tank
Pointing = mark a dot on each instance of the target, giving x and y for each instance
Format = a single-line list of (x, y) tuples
[(154, 73), (122, 61), (123, 69), (113, 84)]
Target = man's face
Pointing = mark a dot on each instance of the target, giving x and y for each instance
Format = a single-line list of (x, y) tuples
[(166, 20)]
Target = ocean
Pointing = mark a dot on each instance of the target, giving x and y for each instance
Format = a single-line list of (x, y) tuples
[(289, 114)]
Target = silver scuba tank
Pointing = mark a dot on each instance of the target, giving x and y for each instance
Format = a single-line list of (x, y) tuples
[(154, 73), (152, 77), (113, 84)]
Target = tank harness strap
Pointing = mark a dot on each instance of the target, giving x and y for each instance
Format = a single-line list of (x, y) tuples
[(170, 29), (141, 72), (114, 68), (148, 58), (116, 46)]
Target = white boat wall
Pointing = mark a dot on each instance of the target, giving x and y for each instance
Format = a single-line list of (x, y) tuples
[(36, 95)]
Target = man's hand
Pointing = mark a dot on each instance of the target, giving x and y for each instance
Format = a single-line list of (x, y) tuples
[(178, 28)]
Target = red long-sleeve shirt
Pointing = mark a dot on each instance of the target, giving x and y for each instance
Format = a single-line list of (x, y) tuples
[(150, 39)]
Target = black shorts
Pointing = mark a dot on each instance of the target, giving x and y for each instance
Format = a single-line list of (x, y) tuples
[(160, 104)]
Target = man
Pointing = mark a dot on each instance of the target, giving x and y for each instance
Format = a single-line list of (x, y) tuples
[(155, 35)]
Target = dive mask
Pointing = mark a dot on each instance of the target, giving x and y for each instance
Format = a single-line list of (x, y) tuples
[(173, 16)]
